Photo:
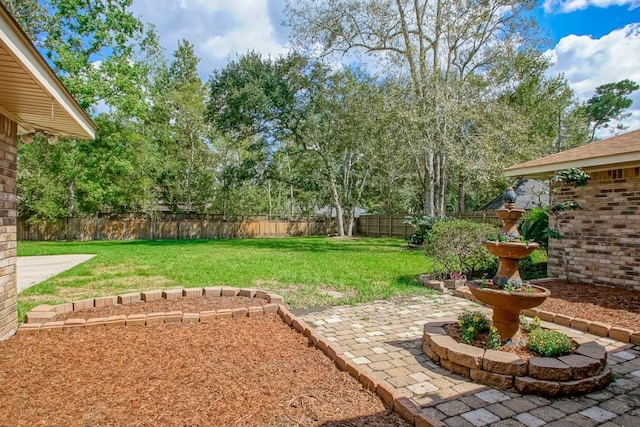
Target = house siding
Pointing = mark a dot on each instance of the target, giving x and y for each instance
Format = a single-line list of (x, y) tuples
[(8, 171), (602, 239)]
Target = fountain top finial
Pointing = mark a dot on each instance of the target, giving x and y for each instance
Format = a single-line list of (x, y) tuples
[(509, 198)]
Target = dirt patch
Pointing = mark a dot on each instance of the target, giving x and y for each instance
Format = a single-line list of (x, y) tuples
[(619, 307), (250, 371)]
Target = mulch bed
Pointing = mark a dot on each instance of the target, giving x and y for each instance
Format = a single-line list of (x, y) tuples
[(619, 307), (238, 372)]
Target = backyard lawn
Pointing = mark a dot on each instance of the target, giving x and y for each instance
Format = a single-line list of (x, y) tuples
[(303, 270)]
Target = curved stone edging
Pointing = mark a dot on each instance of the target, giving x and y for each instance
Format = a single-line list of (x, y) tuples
[(43, 317), (600, 329), (583, 371)]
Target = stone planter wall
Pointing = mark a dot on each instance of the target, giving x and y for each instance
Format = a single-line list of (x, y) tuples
[(582, 372)]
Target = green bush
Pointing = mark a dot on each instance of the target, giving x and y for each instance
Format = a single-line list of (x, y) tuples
[(471, 324), (455, 246), (422, 225), (548, 343)]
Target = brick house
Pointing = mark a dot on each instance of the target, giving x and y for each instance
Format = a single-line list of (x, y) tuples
[(32, 100), (602, 240)]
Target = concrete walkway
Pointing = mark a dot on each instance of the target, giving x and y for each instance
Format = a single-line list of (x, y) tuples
[(35, 269), (386, 336)]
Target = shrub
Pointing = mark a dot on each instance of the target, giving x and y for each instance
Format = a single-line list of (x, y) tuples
[(471, 324), (455, 245), (422, 225), (548, 343), (529, 326), (494, 342)]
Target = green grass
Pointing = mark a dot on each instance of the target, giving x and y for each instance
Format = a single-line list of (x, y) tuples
[(300, 269)]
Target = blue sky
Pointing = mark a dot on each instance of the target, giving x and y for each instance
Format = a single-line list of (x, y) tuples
[(593, 41)]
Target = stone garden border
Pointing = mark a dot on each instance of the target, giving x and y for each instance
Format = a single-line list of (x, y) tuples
[(42, 319), (582, 372)]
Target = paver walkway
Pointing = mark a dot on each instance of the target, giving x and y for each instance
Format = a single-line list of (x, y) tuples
[(386, 336)]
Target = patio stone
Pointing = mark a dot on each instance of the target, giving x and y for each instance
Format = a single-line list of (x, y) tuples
[(480, 417), (598, 414)]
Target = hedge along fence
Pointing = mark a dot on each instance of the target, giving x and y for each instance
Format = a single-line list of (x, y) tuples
[(152, 227), (394, 226)]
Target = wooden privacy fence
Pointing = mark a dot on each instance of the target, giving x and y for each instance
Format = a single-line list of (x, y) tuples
[(394, 226), (150, 228)]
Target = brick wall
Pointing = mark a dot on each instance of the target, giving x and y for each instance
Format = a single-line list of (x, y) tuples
[(8, 169), (602, 240)]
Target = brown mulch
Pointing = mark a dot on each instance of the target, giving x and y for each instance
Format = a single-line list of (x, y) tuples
[(619, 307), (239, 372)]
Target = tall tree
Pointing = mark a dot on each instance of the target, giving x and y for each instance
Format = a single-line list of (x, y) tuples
[(609, 103), (437, 44)]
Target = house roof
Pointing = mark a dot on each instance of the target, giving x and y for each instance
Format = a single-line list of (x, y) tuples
[(615, 151), (531, 194), (30, 92)]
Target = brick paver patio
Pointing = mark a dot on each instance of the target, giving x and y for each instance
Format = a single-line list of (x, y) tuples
[(385, 337)]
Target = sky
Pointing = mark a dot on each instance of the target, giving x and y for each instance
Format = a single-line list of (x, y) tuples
[(593, 41)]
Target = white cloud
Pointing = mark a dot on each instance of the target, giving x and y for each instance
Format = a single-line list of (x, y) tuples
[(568, 6), (218, 29), (587, 63)]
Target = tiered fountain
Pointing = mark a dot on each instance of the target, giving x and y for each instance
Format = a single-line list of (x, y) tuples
[(506, 294)]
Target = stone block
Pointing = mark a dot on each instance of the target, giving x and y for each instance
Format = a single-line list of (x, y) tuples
[(228, 291), (172, 294), (592, 350), (247, 292), (387, 393), (603, 379), (425, 419), (576, 387), (262, 294), (580, 324), (190, 317), (466, 355), (240, 312), (129, 298), (40, 316), (352, 369), (341, 362), (275, 298), (64, 308), (491, 379), (191, 292), (155, 319), (44, 308), (407, 409), (84, 304), (333, 351), (620, 334), (74, 324), (430, 354), (29, 329), (52, 326), (255, 311), (136, 320), (530, 312), (322, 345), (224, 313), (440, 344), (207, 316), (212, 291), (104, 302), (119, 320), (455, 368), (528, 385), (581, 366), (298, 324), (599, 328), (504, 363), (172, 317), (95, 322), (148, 296), (368, 381), (270, 308), (547, 316), (562, 320), (635, 338), (549, 368)]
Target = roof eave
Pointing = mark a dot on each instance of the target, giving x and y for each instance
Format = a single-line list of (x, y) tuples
[(33, 63), (548, 170)]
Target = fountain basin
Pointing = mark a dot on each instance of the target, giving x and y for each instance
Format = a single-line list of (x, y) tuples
[(507, 305), (512, 250)]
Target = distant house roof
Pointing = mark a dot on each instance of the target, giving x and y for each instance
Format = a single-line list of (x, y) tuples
[(531, 194), (30, 92), (615, 151)]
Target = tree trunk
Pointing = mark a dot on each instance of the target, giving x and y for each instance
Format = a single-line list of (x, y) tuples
[(71, 199)]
